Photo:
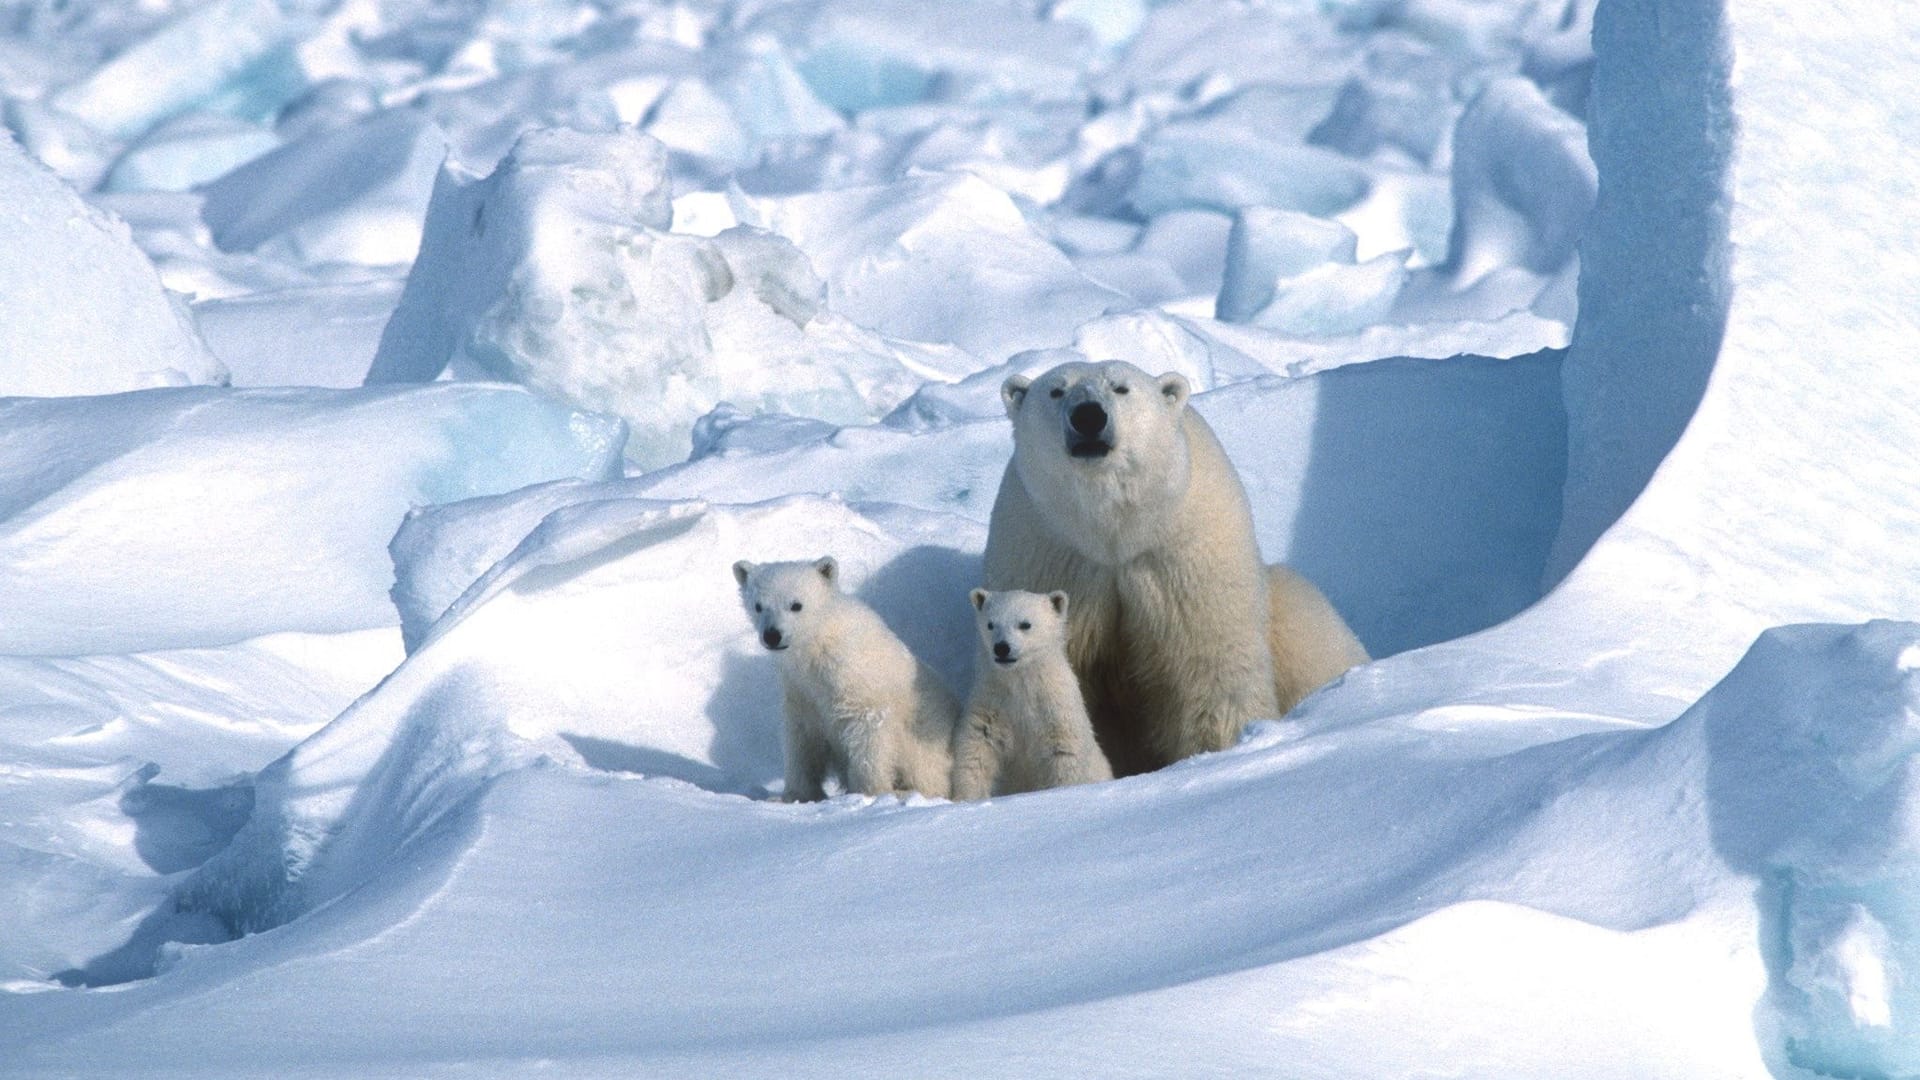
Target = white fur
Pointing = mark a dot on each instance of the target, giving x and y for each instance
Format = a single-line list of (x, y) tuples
[(856, 700), (1026, 726), (1176, 635)]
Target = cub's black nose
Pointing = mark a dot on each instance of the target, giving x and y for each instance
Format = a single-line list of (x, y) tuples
[(771, 636), (1000, 650), (1088, 418)]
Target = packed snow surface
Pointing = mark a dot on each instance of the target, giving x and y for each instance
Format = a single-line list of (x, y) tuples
[(392, 385)]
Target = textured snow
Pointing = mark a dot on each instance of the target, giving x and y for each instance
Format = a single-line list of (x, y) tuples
[(1562, 342)]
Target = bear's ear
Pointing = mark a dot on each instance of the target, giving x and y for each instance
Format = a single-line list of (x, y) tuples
[(741, 570), (1013, 392), (979, 598), (827, 567), (1174, 388), (1059, 601)]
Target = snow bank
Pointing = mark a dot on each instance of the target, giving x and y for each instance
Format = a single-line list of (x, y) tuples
[(557, 271), (611, 634), (81, 309), (197, 517), (129, 769)]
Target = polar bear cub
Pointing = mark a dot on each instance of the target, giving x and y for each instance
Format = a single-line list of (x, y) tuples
[(856, 700), (1026, 726)]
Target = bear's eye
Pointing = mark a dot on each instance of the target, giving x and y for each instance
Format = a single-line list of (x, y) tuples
[(989, 625), (757, 607), (1056, 392), (1121, 389), (795, 607), (1026, 626)]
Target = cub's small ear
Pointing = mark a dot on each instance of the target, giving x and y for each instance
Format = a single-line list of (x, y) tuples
[(979, 598), (1175, 389), (1059, 601), (1013, 392), (827, 567), (741, 571)]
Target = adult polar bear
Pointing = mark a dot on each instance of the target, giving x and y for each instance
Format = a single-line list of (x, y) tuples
[(1121, 496)]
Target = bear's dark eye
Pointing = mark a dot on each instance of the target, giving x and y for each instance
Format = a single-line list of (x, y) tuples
[(989, 626), (1121, 389), (795, 607), (1056, 392), (757, 607), (1026, 626)]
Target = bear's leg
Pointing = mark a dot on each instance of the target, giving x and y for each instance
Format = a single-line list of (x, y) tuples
[(1310, 643), (865, 739), (975, 763), (1072, 757), (807, 755)]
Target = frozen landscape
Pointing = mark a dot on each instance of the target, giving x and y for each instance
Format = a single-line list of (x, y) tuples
[(386, 387)]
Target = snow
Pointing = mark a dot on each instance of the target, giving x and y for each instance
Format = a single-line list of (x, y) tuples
[(199, 517), (353, 194), (59, 249), (557, 271), (391, 711)]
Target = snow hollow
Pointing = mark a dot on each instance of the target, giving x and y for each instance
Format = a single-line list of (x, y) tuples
[(387, 386)]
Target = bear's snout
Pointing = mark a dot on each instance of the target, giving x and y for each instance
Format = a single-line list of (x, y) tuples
[(1089, 425), (1002, 653), (771, 635), (1088, 418)]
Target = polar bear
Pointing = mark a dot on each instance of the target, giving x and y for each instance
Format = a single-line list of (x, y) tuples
[(856, 699), (1121, 496), (1025, 727)]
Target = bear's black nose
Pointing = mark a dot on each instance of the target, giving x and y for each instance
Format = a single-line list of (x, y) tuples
[(1000, 650), (1088, 418), (771, 636)]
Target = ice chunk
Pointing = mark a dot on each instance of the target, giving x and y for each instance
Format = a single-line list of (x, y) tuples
[(769, 96), (1267, 245), (352, 195), (1295, 274), (206, 50), (1522, 183), (692, 119), (1234, 44), (318, 335), (1403, 98), (945, 259), (1158, 344), (1193, 243), (863, 54), (183, 518), (81, 309), (187, 151), (1815, 788), (1215, 165), (1113, 22), (556, 271)]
